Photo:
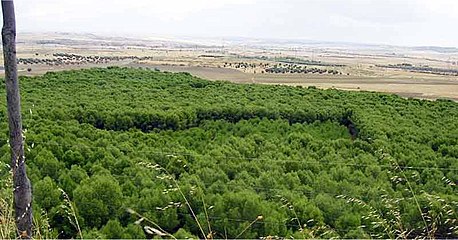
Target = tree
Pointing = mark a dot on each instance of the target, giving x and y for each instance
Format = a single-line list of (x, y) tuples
[(21, 183), (98, 199)]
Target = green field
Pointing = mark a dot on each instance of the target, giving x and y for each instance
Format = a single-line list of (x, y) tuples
[(249, 160)]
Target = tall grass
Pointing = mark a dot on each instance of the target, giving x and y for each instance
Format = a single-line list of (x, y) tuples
[(41, 227), (70, 212), (7, 224), (160, 232), (156, 230), (169, 176), (435, 215)]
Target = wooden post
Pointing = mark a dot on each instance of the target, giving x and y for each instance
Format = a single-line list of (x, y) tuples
[(22, 188)]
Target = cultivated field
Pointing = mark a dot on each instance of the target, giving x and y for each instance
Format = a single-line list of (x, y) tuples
[(330, 65), (424, 87)]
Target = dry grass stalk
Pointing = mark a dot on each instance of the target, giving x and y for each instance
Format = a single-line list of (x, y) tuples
[(7, 224), (156, 230), (71, 212)]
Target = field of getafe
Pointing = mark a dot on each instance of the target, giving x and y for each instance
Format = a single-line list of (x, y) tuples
[(132, 153)]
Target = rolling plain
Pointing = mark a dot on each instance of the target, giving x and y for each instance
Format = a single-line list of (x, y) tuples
[(358, 67)]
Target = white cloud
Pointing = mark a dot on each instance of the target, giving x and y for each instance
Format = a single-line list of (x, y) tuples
[(413, 22)]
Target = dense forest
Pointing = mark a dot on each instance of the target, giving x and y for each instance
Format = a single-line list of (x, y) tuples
[(133, 153)]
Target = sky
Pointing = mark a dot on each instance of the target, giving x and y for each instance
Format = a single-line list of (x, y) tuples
[(394, 22)]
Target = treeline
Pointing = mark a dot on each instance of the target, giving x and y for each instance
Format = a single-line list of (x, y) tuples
[(119, 149), (294, 60), (422, 69), (60, 59), (287, 68), (163, 120), (281, 68)]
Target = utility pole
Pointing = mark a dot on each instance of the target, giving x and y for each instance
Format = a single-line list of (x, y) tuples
[(22, 188)]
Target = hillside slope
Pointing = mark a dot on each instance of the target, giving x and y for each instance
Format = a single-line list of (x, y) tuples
[(250, 160)]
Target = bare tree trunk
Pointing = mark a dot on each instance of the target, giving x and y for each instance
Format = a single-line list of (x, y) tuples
[(21, 183)]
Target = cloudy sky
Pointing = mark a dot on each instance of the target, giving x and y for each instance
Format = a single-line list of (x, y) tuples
[(399, 22)]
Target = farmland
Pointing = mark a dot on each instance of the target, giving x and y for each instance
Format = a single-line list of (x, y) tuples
[(324, 65)]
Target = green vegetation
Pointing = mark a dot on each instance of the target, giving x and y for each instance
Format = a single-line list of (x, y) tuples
[(59, 59), (293, 68), (422, 69), (128, 153), (283, 66), (294, 60)]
